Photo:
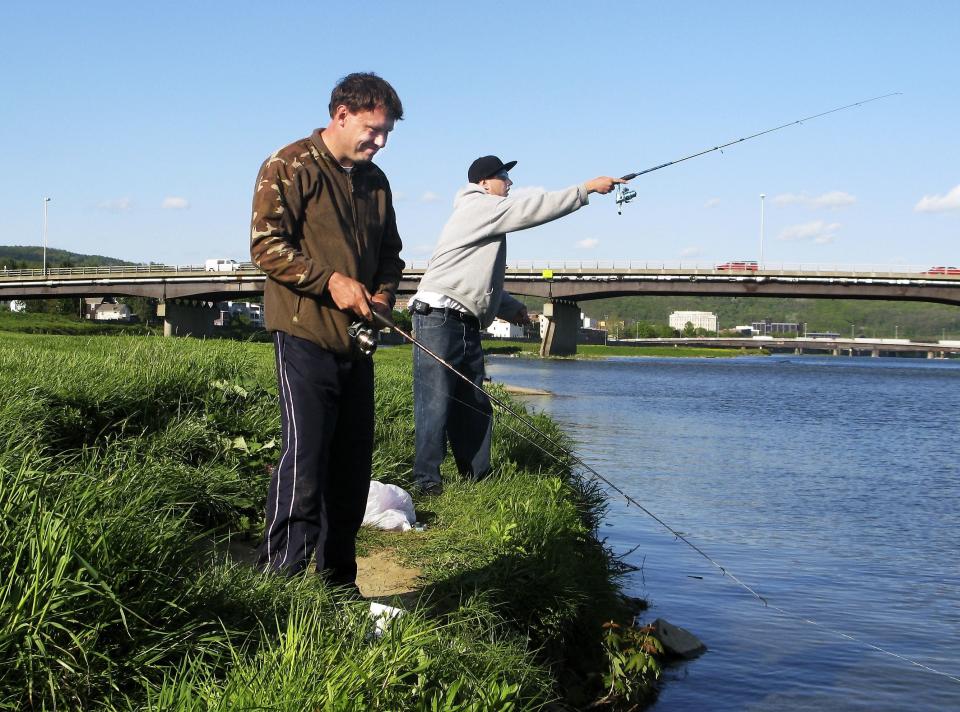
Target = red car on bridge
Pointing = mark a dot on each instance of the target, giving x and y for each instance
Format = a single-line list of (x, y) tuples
[(943, 270), (742, 265)]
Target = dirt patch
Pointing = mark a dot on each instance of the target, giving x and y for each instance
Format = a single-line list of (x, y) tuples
[(380, 575)]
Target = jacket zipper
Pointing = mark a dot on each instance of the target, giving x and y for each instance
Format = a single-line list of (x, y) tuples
[(353, 208)]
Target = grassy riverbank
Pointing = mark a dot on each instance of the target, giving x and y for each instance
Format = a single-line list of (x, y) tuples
[(128, 463)]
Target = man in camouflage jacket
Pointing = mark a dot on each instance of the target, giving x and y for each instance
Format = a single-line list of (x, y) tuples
[(325, 234)]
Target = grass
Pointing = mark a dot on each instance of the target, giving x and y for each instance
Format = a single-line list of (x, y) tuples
[(125, 458), (41, 323)]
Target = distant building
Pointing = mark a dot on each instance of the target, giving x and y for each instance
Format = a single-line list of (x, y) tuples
[(252, 311), (769, 328), (15, 305), (501, 329), (113, 312), (699, 319)]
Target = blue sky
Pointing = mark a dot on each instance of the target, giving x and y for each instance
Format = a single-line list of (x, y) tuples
[(146, 123)]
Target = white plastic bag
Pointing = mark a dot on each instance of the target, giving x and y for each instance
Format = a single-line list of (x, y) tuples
[(389, 507)]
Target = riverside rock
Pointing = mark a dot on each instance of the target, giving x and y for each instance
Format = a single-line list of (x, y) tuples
[(677, 641)]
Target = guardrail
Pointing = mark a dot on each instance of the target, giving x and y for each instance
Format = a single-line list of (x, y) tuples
[(244, 267), (521, 266)]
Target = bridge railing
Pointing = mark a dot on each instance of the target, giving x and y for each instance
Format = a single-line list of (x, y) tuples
[(534, 267), (567, 265), (243, 267)]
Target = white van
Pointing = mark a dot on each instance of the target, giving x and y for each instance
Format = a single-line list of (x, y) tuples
[(222, 265)]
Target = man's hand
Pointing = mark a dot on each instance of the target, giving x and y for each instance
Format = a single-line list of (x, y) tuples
[(521, 318), (603, 184), (380, 303), (350, 295)]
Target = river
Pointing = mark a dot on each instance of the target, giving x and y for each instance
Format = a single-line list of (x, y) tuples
[(829, 485)]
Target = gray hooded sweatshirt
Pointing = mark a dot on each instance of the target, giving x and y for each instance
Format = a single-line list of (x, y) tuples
[(469, 261)]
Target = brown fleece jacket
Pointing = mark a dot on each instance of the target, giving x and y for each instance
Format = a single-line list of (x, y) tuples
[(312, 218)]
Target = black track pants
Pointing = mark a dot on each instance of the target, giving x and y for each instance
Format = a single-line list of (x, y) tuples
[(318, 492)]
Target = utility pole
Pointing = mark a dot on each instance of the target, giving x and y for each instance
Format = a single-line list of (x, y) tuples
[(762, 196), (45, 201)]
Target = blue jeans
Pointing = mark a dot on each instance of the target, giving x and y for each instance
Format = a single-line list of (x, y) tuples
[(444, 405)]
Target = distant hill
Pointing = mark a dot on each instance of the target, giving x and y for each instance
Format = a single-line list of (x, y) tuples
[(28, 256)]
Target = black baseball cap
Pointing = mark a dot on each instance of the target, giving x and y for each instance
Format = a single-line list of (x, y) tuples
[(487, 167)]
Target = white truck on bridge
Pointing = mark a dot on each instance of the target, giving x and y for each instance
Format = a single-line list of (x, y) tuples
[(221, 265)]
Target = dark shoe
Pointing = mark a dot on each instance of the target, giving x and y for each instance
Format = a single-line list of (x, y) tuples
[(347, 593), (431, 489)]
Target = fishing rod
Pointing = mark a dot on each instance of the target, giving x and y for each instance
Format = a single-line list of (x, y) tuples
[(366, 342), (625, 195)]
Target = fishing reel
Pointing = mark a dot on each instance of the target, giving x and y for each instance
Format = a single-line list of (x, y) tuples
[(623, 195), (363, 336)]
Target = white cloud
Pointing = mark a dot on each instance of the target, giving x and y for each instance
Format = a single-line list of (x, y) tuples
[(712, 203), (787, 199), (429, 197), (399, 196), (691, 251), (818, 232), (588, 243), (939, 203), (116, 205), (833, 199), (175, 203)]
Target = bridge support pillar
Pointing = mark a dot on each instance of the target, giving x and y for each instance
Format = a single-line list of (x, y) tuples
[(563, 325), (181, 319), (798, 351), (875, 353)]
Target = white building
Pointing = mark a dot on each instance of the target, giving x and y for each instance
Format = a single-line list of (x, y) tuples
[(112, 312), (699, 319), (252, 310), (505, 330), (15, 305)]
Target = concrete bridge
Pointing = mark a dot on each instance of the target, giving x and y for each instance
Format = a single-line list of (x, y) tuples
[(802, 345), (562, 283)]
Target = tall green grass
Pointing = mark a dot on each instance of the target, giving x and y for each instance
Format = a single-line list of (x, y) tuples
[(125, 463)]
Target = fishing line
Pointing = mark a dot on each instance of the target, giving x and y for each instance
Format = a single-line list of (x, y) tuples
[(525, 420), (631, 176), (624, 195)]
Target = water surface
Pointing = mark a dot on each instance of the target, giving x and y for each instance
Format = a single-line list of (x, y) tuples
[(830, 485)]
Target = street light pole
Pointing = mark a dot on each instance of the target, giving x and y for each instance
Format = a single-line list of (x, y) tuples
[(45, 201), (762, 196), (896, 330)]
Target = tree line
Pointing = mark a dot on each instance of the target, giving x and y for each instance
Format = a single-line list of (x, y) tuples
[(648, 316)]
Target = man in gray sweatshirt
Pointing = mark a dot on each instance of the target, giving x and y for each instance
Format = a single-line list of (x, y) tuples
[(460, 294)]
